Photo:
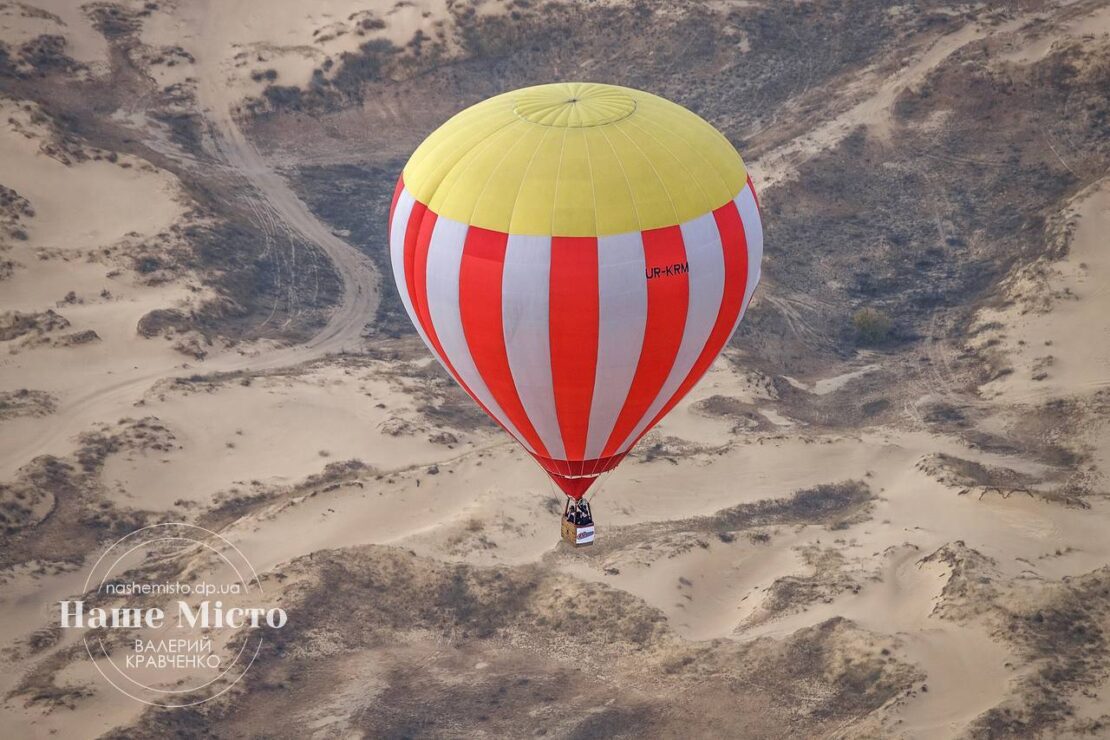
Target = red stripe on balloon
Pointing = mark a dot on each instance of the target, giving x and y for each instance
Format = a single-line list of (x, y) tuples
[(735, 247), (574, 487), (415, 255), (754, 196), (417, 268), (417, 243), (734, 242), (579, 468), (480, 275), (412, 230), (573, 327), (668, 297), (575, 477)]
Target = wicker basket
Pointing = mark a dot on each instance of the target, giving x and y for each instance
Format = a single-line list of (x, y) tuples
[(579, 535)]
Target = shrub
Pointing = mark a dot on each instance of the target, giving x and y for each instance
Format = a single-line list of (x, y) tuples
[(872, 326)]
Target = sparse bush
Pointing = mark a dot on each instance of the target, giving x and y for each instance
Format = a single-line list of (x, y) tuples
[(147, 264), (872, 326), (259, 75)]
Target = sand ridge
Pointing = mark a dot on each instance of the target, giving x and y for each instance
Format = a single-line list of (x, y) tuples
[(912, 552)]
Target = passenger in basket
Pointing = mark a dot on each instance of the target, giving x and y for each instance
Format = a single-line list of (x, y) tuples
[(584, 516)]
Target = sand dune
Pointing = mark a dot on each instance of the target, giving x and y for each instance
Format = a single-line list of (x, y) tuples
[(826, 538), (1057, 334)]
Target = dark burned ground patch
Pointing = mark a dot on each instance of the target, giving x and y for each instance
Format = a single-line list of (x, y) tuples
[(686, 52), (1052, 434), (1047, 431), (55, 510), (958, 472), (267, 285), (518, 651), (831, 505), (76, 518), (919, 229), (865, 401), (828, 504), (923, 229), (744, 416), (37, 57), (263, 290), (1058, 485), (356, 199), (429, 703), (689, 53), (273, 285)]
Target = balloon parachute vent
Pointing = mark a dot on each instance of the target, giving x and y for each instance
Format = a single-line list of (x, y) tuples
[(573, 105)]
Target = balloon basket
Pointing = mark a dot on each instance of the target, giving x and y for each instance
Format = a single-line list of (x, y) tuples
[(578, 535), (578, 530)]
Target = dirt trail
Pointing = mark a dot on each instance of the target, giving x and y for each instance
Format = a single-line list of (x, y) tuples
[(357, 307), (360, 282), (874, 111)]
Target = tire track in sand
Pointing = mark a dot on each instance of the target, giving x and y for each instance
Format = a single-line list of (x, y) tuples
[(358, 304)]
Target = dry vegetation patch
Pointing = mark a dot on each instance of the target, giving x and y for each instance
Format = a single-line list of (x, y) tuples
[(26, 402), (535, 634)]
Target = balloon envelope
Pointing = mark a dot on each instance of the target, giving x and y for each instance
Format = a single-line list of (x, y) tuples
[(576, 255)]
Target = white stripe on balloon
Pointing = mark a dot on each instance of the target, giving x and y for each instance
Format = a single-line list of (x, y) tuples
[(526, 285), (444, 261), (753, 234), (397, 231), (622, 315)]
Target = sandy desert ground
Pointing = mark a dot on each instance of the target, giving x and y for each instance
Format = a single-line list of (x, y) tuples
[(883, 513)]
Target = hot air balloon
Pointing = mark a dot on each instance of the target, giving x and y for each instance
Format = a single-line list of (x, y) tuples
[(576, 255)]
